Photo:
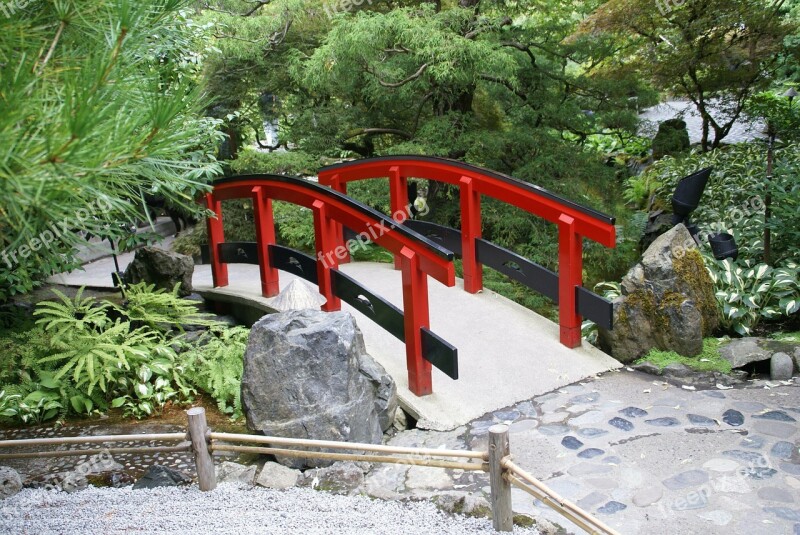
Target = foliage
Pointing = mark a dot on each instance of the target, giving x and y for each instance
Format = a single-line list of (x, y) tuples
[(158, 309), (733, 201), (709, 360), (717, 53), (748, 293), (215, 366), (293, 163), (99, 104), (83, 356)]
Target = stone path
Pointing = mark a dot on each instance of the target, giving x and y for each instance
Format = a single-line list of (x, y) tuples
[(643, 455)]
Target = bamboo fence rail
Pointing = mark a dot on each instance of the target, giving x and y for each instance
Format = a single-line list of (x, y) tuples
[(202, 442)]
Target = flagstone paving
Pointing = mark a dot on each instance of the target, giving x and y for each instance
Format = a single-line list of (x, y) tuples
[(643, 455)]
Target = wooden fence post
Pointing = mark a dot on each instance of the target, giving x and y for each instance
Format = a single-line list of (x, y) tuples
[(206, 476), (502, 515)]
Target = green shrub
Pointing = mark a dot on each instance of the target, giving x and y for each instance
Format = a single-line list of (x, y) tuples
[(77, 360), (160, 310), (748, 293)]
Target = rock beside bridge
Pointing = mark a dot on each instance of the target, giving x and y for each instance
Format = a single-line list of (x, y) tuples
[(163, 268), (667, 301), (307, 375)]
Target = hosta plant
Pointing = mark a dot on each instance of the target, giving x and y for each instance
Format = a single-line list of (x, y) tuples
[(748, 292)]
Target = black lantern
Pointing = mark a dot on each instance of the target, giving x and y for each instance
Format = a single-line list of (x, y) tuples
[(687, 194), (723, 246)]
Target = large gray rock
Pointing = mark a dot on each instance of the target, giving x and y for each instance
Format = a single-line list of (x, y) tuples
[(163, 268), (277, 476), (667, 301), (230, 472), (307, 375)]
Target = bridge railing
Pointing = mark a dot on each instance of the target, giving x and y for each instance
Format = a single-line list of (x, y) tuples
[(575, 222), (419, 257)]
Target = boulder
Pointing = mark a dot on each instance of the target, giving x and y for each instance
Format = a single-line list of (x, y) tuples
[(163, 268), (10, 482), (339, 478), (307, 375), (161, 476), (384, 390), (781, 367), (230, 472), (277, 476), (743, 351), (672, 138), (667, 301)]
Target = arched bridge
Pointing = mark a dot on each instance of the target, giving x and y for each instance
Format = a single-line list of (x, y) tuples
[(420, 249)]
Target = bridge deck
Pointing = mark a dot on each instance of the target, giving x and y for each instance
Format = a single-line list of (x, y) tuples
[(506, 352)]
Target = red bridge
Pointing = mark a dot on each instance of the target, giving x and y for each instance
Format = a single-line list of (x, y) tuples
[(414, 245)]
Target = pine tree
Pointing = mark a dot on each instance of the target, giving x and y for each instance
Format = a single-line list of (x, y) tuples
[(99, 105)]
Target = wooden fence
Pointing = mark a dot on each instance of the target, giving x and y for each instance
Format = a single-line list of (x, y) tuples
[(200, 440)]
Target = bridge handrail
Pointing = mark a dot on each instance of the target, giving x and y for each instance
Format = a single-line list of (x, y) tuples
[(574, 221), (594, 224)]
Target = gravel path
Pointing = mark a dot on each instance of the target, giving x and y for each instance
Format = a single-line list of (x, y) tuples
[(229, 509)]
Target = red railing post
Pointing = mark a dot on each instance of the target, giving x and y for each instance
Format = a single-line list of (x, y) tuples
[(470, 231), (327, 249), (398, 201), (265, 236), (216, 236), (570, 276), (338, 185), (416, 316)]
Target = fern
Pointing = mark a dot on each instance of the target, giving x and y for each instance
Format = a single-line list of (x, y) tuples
[(96, 359), (160, 310), (72, 317), (215, 366)]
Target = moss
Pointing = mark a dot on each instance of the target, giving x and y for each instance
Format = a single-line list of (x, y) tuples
[(690, 267), (524, 521), (481, 511), (709, 360)]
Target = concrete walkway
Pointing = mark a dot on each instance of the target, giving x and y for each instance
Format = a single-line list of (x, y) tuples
[(506, 352)]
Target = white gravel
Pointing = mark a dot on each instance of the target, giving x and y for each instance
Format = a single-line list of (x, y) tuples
[(230, 509)]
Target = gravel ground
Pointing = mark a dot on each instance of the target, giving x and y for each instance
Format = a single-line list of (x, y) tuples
[(229, 509)]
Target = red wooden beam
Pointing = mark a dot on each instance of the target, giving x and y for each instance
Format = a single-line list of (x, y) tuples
[(216, 236)]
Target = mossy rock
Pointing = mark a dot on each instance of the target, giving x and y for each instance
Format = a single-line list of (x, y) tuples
[(667, 302)]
